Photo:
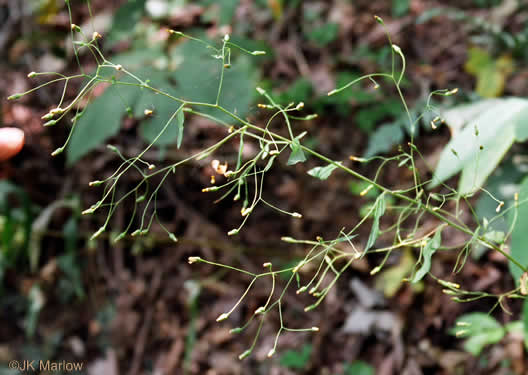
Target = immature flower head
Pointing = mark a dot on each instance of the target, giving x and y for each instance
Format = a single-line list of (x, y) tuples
[(56, 111), (192, 260), (223, 316), (96, 35)]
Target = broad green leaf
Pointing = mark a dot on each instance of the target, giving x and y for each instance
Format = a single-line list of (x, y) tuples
[(162, 107), (400, 7), (100, 121), (197, 78), (221, 11), (427, 253), (379, 210), (367, 118), (491, 74), (300, 90), (322, 173), (519, 239), (102, 118), (456, 118), (358, 368), (297, 154), (137, 58), (521, 125), (296, 359), (497, 128), (384, 139), (502, 186), (324, 34), (163, 111), (480, 330), (125, 19)]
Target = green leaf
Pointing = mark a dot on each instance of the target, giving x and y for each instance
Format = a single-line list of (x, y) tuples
[(379, 210), (125, 19), (300, 90), (457, 117), (367, 118), (384, 139), (198, 75), (100, 121), (521, 125), (102, 118), (323, 35), (322, 173), (481, 330), (163, 111), (400, 8), (197, 78), (222, 11), (296, 359), (519, 239), (297, 154), (358, 368), (491, 74), (497, 126), (137, 58), (428, 251)]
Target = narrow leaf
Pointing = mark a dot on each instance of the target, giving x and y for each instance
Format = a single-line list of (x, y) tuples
[(322, 173), (379, 210), (428, 251)]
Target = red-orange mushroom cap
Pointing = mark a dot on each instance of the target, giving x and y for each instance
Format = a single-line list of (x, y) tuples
[(11, 142)]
